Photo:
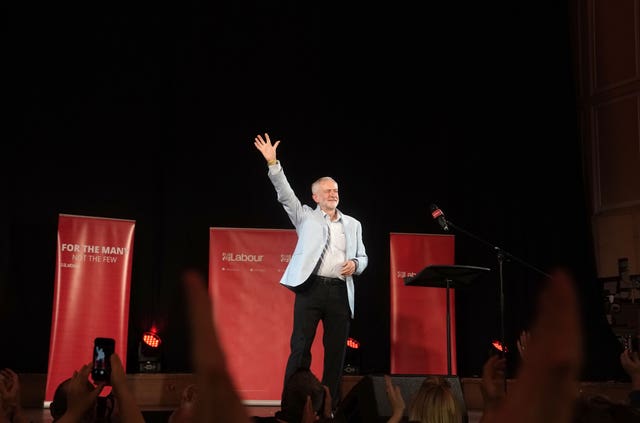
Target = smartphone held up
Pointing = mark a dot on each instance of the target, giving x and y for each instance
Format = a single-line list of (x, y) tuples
[(102, 350)]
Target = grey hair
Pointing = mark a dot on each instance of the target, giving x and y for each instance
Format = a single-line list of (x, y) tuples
[(316, 184)]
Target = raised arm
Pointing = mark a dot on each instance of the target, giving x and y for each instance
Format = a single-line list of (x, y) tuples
[(10, 397), (547, 383), (217, 399), (395, 400), (129, 410), (492, 386), (79, 399), (522, 343), (267, 149), (286, 196)]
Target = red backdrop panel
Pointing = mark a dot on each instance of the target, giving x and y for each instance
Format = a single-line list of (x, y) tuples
[(418, 314), (91, 292), (252, 311)]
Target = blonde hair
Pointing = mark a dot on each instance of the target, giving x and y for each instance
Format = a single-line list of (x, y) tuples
[(434, 403), (316, 185)]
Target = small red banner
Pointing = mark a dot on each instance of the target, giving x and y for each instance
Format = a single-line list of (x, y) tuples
[(418, 313)]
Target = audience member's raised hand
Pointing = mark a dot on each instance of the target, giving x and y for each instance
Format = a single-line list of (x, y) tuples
[(9, 391), (327, 410), (79, 398), (492, 382), (395, 399), (10, 406), (308, 414), (546, 385), (218, 400), (631, 364), (522, 343), (128, 408), (185, 413)]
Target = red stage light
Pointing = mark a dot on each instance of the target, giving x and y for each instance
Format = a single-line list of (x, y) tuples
[(151, 339), (150, 352), (498, 346), (352, 343)]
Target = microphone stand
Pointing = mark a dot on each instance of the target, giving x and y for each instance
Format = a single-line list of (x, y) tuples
[(500, 256)]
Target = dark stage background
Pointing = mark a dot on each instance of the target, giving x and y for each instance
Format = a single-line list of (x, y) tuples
[(153, 118)]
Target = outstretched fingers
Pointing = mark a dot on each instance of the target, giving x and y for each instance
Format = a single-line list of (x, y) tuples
[(267, 149)]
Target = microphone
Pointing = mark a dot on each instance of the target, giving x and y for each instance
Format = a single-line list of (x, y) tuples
[(438, 214)]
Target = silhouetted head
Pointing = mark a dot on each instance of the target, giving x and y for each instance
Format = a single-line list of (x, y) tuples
[(101, 410)]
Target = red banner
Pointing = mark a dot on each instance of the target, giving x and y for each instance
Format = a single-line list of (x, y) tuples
[(418, 314), (91, 293), (252, 311)]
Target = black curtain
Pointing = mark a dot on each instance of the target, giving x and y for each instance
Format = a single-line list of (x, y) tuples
[(153, 119)]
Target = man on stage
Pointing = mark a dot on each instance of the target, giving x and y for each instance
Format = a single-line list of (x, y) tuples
[(329, 251)]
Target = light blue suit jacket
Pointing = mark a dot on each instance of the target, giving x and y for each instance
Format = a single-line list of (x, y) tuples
[(313, 231)]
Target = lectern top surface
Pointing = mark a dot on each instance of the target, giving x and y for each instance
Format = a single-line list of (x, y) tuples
[(437, 275)]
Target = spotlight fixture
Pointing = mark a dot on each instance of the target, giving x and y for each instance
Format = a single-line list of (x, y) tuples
[(497, 346), (150, 352), (151, 339), (353, 344), (352, 357)]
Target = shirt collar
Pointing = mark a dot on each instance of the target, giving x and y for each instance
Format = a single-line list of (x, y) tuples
[(324, 215)]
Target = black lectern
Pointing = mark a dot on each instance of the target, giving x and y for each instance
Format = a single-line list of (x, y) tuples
[(446, 276)]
